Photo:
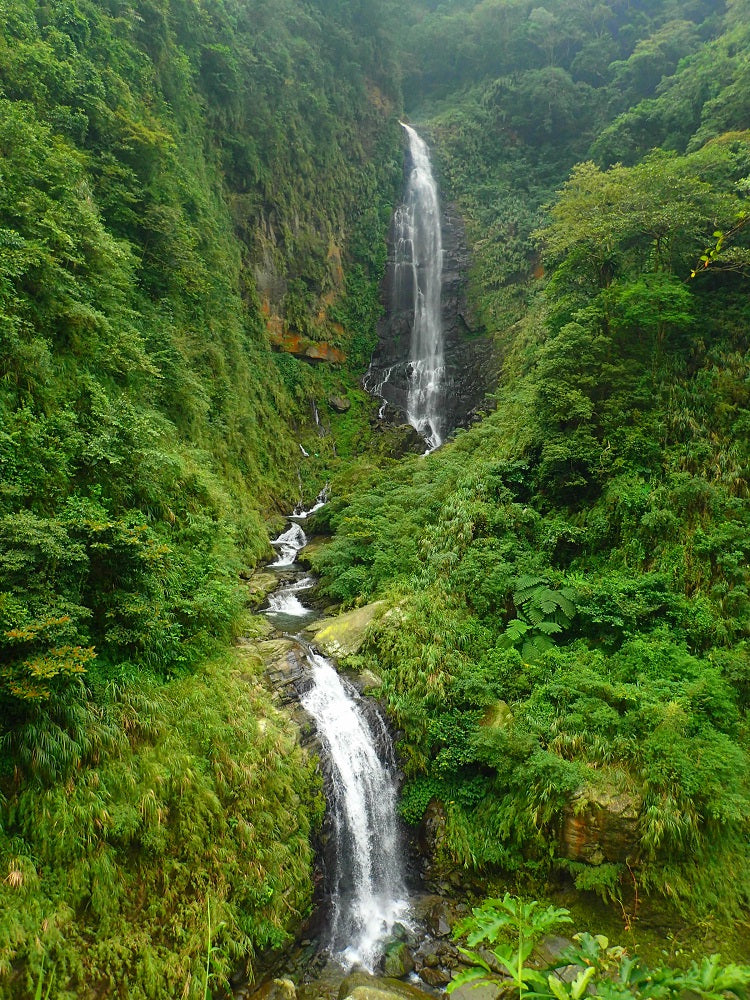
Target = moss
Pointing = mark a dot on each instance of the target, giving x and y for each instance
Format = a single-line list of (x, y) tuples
[(209, 801)]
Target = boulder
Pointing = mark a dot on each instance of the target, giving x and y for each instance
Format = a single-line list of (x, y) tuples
[(277, 989), (438, 979), (344, 635), (437, 914), (370, 681), (363, 986), (485, 990), (601, 824), (549, 950), (340, 404), (398, 961), (259, 586), (282, 661)]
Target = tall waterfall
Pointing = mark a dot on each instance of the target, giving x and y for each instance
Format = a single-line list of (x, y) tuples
[(367, 890), (419, 267)]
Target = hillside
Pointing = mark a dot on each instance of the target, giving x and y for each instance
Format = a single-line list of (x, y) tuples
[(181, 186), (568, 650), (193, 211)]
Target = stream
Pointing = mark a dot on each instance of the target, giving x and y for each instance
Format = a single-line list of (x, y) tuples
[(365, 869), (372, 924)]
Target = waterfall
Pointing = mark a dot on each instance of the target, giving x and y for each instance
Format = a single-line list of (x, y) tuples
[(419, 262), (284, 601), (367, 887), (289, 543), (366, 883)]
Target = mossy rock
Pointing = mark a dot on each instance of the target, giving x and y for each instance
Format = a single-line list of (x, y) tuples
[(259, 586), (277, 989), (345, 634), (363, 986), (398, 960), (307, 556)]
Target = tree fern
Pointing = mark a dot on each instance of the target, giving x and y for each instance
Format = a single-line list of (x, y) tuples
[(542, 612)]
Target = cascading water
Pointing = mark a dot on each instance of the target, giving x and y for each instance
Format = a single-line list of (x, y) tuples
[(367, 888), (420, 261), (368, 891), (416, 286), (289, 543)]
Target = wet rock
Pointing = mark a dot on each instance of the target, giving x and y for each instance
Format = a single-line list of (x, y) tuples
[(277, 989), (398, 961), (259, 586), (283, 664), (477, 991), (369, 681), (447, 953), (431, 832), (437, 915), (471, 360), (435, 977), (363, 986), (401, 932), (340, 404), (344, 635), (549, 950), (492, 961), (601, 824)]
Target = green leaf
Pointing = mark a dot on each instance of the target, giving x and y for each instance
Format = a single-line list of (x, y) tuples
[(467, 976), (558, 988)]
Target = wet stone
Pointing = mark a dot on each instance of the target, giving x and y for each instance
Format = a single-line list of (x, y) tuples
[(550, 949), (435, 977), (398, 961), (277, 989), (477, 991), (363, 986)]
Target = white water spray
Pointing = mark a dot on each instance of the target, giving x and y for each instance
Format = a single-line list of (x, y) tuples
[(368, 891), (419, 261), (284, 601), (289, 543)]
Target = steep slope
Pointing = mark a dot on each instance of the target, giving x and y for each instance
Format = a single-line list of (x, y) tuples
[(567, 649), (182, 185)]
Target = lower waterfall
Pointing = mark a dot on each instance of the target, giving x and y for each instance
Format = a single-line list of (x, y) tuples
[(366, 883), (368, 893)]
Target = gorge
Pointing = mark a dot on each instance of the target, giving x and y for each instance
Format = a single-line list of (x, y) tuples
[(219, 301)]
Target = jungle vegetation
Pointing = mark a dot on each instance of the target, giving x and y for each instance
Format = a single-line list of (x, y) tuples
[(183, 183), (569, 577)]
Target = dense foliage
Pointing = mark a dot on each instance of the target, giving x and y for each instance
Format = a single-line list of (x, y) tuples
[(184, 184), (589, 967), (176, 178), (568, 639)]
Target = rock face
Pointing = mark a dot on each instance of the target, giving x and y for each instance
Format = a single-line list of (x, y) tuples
[(471, 365), (601, 824), (345, 634), (431, 833)]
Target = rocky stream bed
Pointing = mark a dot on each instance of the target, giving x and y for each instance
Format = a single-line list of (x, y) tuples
[(419, 958)]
